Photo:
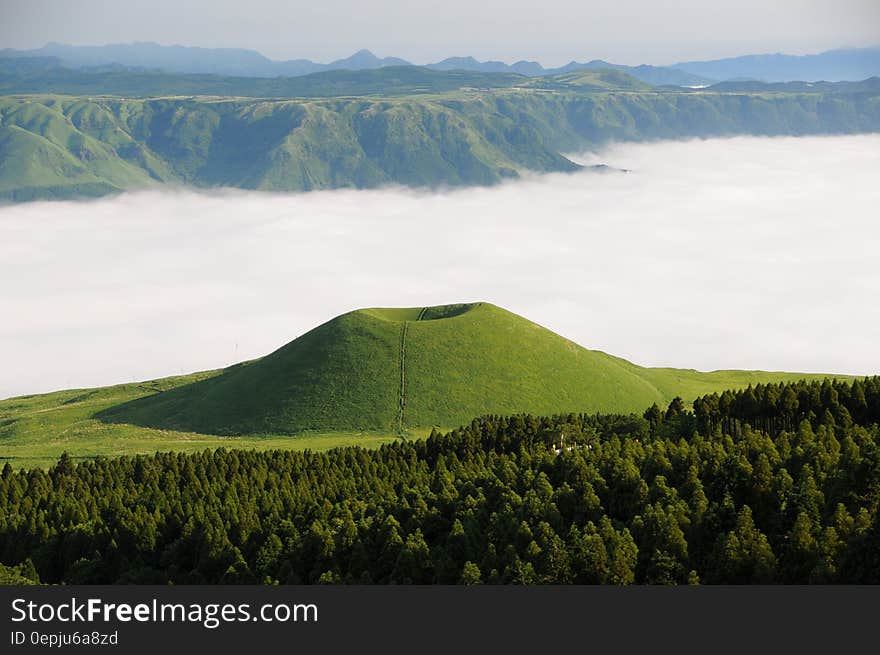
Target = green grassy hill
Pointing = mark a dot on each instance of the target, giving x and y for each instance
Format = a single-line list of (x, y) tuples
[(364, 377), (388, 370), (54, 146)]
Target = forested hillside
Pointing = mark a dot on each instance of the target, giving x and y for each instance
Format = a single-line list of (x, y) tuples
[(777, 483), (54, 146)]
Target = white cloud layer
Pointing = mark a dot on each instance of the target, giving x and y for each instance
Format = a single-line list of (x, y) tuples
[(724, 253)]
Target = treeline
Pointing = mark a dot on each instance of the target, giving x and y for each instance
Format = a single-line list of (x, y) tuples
[(740, 492), (777, 407)]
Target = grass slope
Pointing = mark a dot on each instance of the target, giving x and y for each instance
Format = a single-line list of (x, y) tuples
[(35, 430)]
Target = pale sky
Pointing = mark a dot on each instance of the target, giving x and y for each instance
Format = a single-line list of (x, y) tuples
[(552, 32)]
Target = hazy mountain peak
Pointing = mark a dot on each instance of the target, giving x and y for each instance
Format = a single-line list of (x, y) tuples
[(365, 59)]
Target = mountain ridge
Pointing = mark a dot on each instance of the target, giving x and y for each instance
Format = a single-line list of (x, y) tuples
[(55, 146), (842, 64), (245, 62)]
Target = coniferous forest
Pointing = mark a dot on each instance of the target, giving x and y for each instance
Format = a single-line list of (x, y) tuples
[(778, 483)]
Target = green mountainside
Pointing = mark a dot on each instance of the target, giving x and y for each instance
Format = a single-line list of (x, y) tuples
[(363, 377), (424, 128)]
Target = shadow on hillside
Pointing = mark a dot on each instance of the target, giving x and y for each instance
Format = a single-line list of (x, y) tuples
[(168, 409)]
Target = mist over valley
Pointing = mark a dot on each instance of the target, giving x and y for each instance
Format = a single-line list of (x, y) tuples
[(709, 254)]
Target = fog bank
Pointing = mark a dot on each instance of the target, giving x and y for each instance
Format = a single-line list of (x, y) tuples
[(724, 253)]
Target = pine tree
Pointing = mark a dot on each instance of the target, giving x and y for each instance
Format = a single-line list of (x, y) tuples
[(470, 574)]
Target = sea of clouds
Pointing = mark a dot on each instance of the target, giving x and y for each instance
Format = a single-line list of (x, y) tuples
[(723, 253)]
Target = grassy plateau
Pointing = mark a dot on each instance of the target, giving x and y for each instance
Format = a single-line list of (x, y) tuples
[(74, 134)]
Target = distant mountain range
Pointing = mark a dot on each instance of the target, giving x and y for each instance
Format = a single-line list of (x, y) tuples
[(187, 59), (834, 65), (250, 63)]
